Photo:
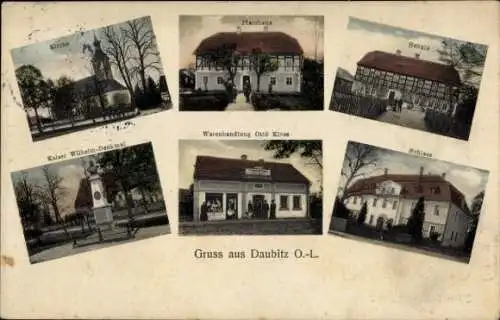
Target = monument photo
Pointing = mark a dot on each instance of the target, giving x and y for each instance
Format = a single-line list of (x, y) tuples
[(256, 187), (409, 78), (92, 202), (403, 201), (91, 78), (251, 63)]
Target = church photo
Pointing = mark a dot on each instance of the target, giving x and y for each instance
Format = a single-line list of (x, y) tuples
[(409, 78), (251, 63), (91, 78), (92, 202)]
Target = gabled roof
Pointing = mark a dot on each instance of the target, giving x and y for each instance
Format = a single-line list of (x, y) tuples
[(399, 64), (231, 169), (268, 42), (344, 74), (431, 187)]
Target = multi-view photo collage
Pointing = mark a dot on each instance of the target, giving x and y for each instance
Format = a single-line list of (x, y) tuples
[(253, 66)]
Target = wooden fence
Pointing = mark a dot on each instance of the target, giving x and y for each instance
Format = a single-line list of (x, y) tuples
[(363, 106)]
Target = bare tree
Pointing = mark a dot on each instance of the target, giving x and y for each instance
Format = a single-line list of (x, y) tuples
[(358, 157), (146, 56), (119, 49), (53, 192)]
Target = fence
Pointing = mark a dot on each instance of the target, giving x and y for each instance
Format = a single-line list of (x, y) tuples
[(363, 106), (78, 117)]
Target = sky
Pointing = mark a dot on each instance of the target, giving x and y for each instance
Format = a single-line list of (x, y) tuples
[(69, 60), (365, 36), (189, 149), (193, 29), (72, 171), (470, 181)]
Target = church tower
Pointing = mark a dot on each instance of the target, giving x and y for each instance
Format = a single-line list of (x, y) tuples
[(100, 62)]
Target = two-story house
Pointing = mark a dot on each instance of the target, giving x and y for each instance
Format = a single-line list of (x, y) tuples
[(228, 186), (417, 82), (390, 199), (280, 48)]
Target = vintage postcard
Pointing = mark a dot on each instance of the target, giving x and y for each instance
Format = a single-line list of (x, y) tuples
[(91, 78), (409, 78), (408, 202), (250, 187), (91, 202), (251, 63)]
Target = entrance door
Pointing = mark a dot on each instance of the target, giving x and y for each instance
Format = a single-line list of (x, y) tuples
[(258, 206)]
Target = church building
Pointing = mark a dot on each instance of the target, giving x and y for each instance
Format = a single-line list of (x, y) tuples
[(100, 90), (418, 83), (238, 188), (390, 199), (278, 49)]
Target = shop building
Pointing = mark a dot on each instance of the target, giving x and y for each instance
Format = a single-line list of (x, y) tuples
[(227, 186), (391, 198)]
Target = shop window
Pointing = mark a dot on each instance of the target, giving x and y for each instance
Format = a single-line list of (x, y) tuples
[(288, 81), (214, 205), (283, 202), (433, 229), (297, 204)]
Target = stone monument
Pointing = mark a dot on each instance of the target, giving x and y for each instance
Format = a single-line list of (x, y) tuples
[(101, 208)]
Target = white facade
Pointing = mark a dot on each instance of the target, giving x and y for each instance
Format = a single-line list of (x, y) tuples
[(291, 198), (286, 79), (387, 204)]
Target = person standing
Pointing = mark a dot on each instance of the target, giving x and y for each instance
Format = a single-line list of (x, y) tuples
[(266, 209), (204, 210), (247, 90), (250, 208), (272, 213)]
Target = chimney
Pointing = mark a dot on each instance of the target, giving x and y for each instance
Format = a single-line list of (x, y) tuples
[(398, 52), (244, 157), (443, 175), (417, 55), (386, 171), (421, 171)]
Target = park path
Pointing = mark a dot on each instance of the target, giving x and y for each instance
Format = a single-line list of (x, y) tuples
[(407, 118), (240, 104)]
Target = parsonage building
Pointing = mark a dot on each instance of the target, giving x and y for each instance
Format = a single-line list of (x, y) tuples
[(282, 50), (231, 188), (390, 199), (417, 82)]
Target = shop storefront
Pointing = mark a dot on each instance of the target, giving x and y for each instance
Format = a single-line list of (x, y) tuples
[(230, 189)]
